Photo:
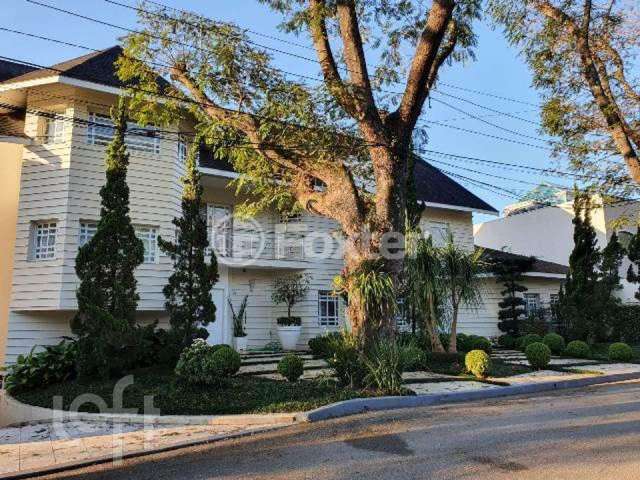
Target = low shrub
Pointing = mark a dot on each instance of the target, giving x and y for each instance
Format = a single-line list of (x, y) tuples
[(55, 364), (538, 355), (481, 343), (620, 352), (345, 360), (384, 365), (478, 362), (444, 339), (320, 346), (577, 349), (413, 358), (291, 367), (529, 339), (507, 341), (226, 361), (555, 343), (204, 364), (289, 321), (464, 342)]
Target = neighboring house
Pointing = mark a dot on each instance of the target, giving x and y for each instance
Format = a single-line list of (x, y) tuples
[(51, 177), (541, 225)]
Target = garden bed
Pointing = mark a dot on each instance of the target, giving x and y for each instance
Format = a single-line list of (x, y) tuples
[(241, 394)]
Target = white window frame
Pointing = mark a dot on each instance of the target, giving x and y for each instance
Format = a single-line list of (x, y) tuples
[(86, 232), (182, 149), (54, 130), (149, 237), (439, 233), (401, 320), (100, 131), (325, 299), (220, 227), (43, 240), (532, 302)]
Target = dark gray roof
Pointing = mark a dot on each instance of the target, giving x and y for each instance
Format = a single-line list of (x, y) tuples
[(491, 255), (96, 67), (10, 70), (12, 124)]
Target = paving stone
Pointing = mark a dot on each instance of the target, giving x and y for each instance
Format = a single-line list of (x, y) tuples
[(265, 367), (422, 375), (564, 362), (449, 387), (612, 368)]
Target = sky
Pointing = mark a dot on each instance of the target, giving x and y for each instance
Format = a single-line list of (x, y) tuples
[(498, 71)]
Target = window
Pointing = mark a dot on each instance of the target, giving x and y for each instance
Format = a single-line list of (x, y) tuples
[(182, 149), (439, 232), (44, 240), (87, 231), (328, 309), (141, 139), (149, 237), (532, 302), (402, 317), (554, 298), (292, 218), (220, 222), (53, 130)]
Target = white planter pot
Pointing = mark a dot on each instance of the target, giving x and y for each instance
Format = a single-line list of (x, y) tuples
[(240, 343), (289, 336)]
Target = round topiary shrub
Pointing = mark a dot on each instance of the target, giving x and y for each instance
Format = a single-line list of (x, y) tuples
[(478, 362), (555, 343), (620, 352), (463, 342), (291, 367), (226, 361), (529, 339), (577, 349), (538, 355), (507, 341), (413, 358), (196, 366), (481, 343)]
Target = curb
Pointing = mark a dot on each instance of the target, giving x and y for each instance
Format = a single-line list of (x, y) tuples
[(64, 467), (364, 405)]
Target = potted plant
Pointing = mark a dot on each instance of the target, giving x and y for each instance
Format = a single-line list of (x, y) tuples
[(290, 290), (239, 321)]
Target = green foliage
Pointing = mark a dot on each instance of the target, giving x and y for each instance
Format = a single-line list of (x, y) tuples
[(481, 343), (188, 290), (529, 339), (289, 321), (577, 349), (478, 363), (204, 364), (413, 358), (625, 324), (239, 317), (345, 359), (620, 352), (555, 343), (535, 322), (507, 341), (538, 355), (290, 290), (578, 307), (105, 265), (509, 272), (291, 367), (320, 346), (54, 364), (464, 342), (633, 254), (384, 364)]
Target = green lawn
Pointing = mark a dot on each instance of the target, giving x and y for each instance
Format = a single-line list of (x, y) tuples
[(238, 395)]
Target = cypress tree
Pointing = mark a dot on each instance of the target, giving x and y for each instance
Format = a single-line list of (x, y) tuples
[(188, 291), (606, 300), (105, 265), (633, 254), (509, 273), (578, 310)]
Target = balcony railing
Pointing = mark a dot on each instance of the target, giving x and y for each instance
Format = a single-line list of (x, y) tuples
[(258, 245)]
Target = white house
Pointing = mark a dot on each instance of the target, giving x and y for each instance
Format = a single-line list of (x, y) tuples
[(54, 126), (541, 225)]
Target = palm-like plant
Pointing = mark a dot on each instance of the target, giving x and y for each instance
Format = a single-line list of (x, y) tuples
[(460, 270), (425, 286), (239, 317)]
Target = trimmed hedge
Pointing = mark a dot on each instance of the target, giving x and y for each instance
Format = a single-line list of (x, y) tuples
[(555, 343), (529, 339), (538, 355), (507, 341), (620, 352), (481, 343), (577, 349), (291, 367), (204, 364), (478, 362)]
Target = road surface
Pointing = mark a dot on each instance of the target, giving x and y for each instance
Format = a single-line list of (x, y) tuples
[(586, 434)]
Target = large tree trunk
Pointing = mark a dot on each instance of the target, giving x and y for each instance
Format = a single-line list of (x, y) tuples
[(453, 340)]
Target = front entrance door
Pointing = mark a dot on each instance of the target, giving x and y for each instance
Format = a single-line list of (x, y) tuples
[(216, 329)]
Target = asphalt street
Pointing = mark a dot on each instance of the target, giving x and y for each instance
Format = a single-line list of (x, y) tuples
[(586, 434)]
